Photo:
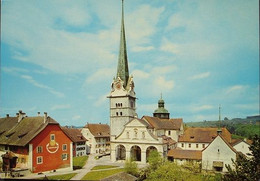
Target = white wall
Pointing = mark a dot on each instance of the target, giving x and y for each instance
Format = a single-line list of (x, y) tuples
[(218, 151), (242, 147)]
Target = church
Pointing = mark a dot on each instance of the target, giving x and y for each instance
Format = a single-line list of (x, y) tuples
[(132, 137)]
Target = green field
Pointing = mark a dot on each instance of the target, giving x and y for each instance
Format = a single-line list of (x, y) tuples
[(79, 162), (97, 175), (100, 167)]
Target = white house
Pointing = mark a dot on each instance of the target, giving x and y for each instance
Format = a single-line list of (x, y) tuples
[(98, 136), (241, 146), (218, 154)]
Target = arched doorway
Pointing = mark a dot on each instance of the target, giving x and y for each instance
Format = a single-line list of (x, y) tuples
[(120, 152), (135, 153), (148, 151)]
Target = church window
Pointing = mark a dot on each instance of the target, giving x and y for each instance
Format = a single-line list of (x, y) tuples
[(117, 113), (121, 104), (116, 105), (121, 113), (132, 104)]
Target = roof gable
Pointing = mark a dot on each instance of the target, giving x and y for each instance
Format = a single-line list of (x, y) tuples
[(74, 134), (99, 130), (168, 124), (223, 140), (21, 133)]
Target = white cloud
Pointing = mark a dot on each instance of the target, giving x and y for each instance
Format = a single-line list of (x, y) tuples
[(140, 75), (100, 75), (60, 107), (40, 85), (163, 85), (200, 76), (234, 89), (168, 46)]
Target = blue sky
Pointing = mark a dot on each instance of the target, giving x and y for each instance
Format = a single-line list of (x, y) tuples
[(61, 56)]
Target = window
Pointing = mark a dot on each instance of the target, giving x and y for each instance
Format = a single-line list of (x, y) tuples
[(169, 132), (52, 137), (39, 160), (64, 156), (197, 145), (39, 149), (121, 113), (127, 134), (64, 147), (189, 145), (203, 145), (117, 113), (182, 145)]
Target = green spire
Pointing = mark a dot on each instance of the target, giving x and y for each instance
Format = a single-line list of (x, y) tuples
[(122, 67)]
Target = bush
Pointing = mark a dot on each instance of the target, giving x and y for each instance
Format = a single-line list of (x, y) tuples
[(131, 167)]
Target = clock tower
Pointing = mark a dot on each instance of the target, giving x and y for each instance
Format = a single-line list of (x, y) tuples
[(122, 96)]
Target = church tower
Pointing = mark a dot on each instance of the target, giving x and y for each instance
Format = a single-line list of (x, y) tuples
[(161, 112), (122, 96)]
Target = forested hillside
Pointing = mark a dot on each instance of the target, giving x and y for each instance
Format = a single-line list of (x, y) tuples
[(238, 127)]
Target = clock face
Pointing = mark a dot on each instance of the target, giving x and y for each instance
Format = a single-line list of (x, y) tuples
[(118, 86)]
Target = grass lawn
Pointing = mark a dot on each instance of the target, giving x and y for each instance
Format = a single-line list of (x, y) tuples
[(97, 175), (100, 167), (60, 177), (79, 162)]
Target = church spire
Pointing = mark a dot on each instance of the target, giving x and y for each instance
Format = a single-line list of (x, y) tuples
[(122, 67)]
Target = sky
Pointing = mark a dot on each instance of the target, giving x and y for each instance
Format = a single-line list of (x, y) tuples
[(60, 57)]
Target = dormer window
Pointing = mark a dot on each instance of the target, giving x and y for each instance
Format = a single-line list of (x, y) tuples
[(9, 135), (22, 135), (192, 137)]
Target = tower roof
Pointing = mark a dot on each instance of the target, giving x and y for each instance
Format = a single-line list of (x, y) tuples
[(122, 67), (161, 108)]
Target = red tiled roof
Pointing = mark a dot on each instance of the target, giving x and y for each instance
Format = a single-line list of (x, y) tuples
[(168, 140), (74, 134), (185, 154), (169, 124), (99, 130), (203, 135)]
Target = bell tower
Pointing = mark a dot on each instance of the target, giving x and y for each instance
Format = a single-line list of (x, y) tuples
[(122, 96)]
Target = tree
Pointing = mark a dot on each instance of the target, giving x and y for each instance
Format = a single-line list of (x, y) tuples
[(246, 168), (131, 167)]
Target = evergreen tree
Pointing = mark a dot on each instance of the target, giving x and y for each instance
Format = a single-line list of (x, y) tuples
[(246, 168)]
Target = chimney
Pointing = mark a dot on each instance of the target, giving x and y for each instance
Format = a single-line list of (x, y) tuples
[(7, 115), (45, 117), (39, 113), (20, 115)]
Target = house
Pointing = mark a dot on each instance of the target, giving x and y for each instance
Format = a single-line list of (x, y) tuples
[(168, 127), (218, 154), (200, 138), (181, 156), (37, 142), (98, 136), (241, 146), (79, 141)]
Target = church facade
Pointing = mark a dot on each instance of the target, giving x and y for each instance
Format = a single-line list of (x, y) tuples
[(131, 137)]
